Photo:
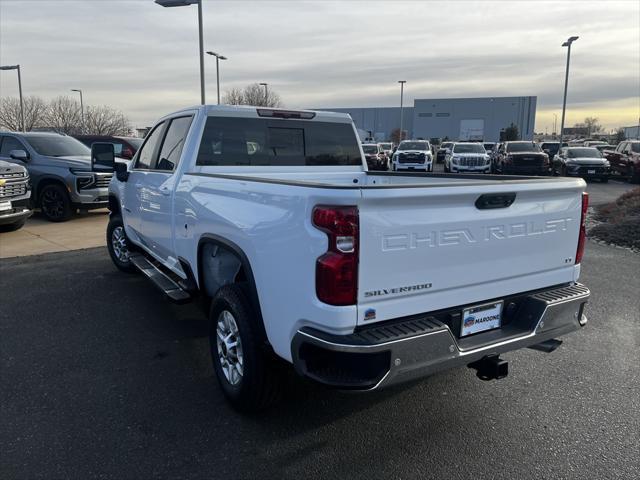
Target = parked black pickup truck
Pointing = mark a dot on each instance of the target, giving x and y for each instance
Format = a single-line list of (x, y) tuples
[(521, 158), (14, 196)]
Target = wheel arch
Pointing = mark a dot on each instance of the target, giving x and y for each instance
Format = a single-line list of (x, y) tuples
[(114, 204), (244, 271), (43, 182)]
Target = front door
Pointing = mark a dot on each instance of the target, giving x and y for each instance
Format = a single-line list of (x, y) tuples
[(136, 199), (157, 218)]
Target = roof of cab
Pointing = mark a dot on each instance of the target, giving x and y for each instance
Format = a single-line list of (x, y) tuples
[(247, 111)]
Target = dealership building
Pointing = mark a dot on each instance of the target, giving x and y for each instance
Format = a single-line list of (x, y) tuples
[(452, 118)]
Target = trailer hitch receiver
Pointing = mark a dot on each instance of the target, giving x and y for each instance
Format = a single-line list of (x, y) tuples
[(491, 367)]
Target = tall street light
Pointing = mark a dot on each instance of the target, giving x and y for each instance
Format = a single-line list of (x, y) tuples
[(218, 57), (555, 121), (401, 82), (566, 81), (266, 94), (183, 3), (17, 67), (81, 106)]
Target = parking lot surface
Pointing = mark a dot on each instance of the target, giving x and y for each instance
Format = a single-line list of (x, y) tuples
[(102, 378), (38, 236)]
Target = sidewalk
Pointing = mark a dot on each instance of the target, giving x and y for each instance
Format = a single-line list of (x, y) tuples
[(38, 236)]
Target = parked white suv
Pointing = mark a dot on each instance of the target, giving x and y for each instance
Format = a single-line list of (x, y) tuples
[(413, 155), (358, 279), (467, 157)]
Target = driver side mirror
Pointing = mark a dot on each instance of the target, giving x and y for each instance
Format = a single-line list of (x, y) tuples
[(103, 157), (447, 151), (546, 150), (19, 155)]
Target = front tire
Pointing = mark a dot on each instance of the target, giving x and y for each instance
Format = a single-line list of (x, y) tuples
[(55, 203), (119, 245), (247, 371)]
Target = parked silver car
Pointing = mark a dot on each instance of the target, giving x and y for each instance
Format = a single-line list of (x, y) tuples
[(60, 171)]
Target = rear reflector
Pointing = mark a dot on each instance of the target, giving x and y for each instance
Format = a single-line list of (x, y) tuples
[(582, 237), (267, 112)]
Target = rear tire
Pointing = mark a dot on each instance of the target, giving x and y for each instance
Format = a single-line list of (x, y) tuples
[(119, 245), (249, 374), (55, 203)]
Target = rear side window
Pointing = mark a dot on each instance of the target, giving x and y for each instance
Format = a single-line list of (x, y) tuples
[(173, 143), (262, 142), (145, 158), (8, 144)]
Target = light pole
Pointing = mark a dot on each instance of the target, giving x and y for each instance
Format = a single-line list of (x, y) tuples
[(566, 81), (17, 67), (218, 58), (183, 3), (555, 121), (401, 82), (266, 94), (81, 106)]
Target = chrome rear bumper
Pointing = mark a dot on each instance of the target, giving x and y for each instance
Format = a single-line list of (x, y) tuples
[(402, 350)]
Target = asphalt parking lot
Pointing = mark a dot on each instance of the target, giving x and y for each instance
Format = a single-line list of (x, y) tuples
[(102, 378)]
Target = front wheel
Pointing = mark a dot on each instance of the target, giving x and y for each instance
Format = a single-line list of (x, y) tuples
[(119, 245), (55, 203), (247, 371)]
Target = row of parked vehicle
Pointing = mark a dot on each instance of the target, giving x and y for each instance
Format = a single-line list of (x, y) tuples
[(52, 172)]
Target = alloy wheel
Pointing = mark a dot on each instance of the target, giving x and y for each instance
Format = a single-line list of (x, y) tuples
[(52, 203), (229, 347), (119, 244)]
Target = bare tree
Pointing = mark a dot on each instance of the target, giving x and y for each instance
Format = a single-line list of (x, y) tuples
[(35, 110), (104, 120), (592, 125), (235, 96), (253, 94), (63, 116)]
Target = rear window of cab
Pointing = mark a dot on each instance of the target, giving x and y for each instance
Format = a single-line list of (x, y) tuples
[(274, 142)]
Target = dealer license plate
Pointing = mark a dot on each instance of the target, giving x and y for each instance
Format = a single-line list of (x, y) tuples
[(5, 206), (481, 318)]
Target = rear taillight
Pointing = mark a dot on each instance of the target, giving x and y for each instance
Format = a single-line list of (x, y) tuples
[(582, 237), (337, 270)]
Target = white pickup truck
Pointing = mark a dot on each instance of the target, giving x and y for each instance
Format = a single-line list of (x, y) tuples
[(359, 279)]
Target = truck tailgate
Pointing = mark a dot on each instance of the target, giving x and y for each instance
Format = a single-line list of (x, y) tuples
[(425, 249)]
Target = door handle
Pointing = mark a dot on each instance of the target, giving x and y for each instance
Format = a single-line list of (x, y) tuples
[(165, 191)]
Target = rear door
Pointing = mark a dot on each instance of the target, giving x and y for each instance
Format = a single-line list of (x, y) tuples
[(424, 249)]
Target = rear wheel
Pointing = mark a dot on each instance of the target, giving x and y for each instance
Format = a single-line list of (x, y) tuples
[(119, 245), (249, 374), (55, 203)]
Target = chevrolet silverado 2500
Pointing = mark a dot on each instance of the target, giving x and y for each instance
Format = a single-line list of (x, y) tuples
[(359, 279)]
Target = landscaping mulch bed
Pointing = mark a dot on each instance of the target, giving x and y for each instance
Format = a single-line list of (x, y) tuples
[(617, 223)]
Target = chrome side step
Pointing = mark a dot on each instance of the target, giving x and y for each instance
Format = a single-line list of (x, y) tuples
[(162, 281)]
